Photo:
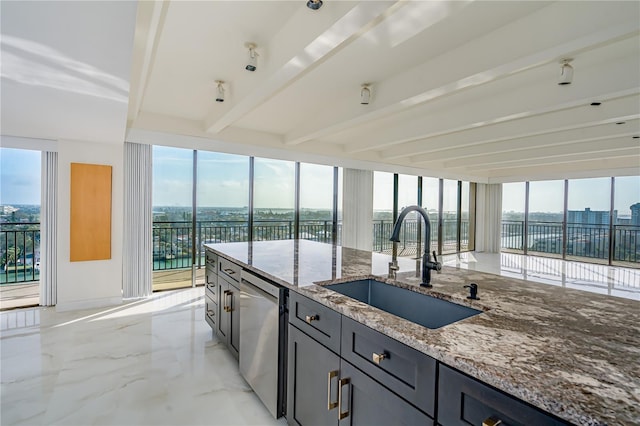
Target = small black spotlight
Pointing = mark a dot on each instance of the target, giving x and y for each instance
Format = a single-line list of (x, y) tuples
[(314, 4)]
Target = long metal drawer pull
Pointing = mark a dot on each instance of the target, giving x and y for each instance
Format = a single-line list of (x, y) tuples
[(310, 318), (341, 383), (227, 308), (492, 421), (377, 358), (331, 405)]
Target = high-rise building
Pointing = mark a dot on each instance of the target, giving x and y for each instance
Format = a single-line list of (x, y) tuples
[(588, 216), (635, 214)]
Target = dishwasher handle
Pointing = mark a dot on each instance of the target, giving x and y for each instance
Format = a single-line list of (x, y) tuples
[(269, 288)]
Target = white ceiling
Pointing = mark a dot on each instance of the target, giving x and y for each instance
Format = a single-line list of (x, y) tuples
[(460, 88), (66, 68)]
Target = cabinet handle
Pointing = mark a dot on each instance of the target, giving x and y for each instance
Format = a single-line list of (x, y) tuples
[(310, 318), (331, 405), (229, 271), (377, 358), (211, 313), (227, 308), (341, 383), (492, 421)]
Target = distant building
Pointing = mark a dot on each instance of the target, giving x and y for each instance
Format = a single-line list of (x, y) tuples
[(8, 209), (592, 217), (635, 214)]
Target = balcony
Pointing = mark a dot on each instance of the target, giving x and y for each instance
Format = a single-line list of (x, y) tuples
[(583, 240), (19, 252)]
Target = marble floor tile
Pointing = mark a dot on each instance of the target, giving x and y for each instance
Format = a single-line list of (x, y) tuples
[(147, 362), (592, 277)]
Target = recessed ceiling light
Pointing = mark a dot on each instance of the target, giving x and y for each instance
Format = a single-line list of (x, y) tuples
[(314, 4), (596, 103), (620, 122), (636, 137)]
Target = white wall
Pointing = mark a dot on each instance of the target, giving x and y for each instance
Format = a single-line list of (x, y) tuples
[(92, 283)]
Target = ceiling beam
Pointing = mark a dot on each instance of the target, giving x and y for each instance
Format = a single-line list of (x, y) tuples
[(348, 28), (595, 133), (405, 137), (149, 23), (549, 154), (394, 95)]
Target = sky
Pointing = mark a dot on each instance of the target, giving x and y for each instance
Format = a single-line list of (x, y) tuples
[(19, 176), (223, 181)]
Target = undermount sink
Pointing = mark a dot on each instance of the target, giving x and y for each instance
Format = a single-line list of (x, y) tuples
[(427, 311)]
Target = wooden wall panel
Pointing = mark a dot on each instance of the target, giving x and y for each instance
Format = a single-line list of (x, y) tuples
[(90, 212)]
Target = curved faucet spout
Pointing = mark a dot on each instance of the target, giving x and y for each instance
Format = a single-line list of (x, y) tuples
[(427, 264)]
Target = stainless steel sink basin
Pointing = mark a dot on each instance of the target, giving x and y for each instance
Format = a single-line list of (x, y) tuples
[(427, 311)]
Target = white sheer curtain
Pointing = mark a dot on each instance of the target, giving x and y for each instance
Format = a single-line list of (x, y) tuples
[(357, 209), (137, 250), (488, 217), (48, 229)]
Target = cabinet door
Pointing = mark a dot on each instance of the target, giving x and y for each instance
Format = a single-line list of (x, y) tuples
[(312, 391), (465, 401), (223, 316), (365, 402), (234, 323)]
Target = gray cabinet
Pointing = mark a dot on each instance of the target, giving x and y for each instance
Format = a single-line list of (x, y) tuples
[(365, 402), (228, 320), (312, 389), (324, 389), (211, 289), (465, 401)]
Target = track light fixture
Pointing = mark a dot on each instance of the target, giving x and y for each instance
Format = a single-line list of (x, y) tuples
[(365, 94), (566, 72), (314, 4), (220, 91), (252, 64)]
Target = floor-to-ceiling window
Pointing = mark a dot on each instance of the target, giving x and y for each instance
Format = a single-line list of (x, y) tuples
[(382, 210), (430, 202), (449, 216), (626, 229), (20, 230), (274, 199), (172, 201), (513, 215), (466, 240), (588, 217), (546, 213), (316, 202), (578, 219)]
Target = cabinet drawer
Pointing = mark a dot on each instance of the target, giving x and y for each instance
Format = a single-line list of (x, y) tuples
[(211, 275), (318, 321), (211, 259), (229, 269), (210, 309), (464, 401), (407, 372), (211, 290)]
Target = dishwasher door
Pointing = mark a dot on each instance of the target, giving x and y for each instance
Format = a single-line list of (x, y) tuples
[(260, 324)]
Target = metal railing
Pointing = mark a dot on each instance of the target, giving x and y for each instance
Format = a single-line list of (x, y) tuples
[(172, 241), (409, 236), (583, 240), (19, 252)]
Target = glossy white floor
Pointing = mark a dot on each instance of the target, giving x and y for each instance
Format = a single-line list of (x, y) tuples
[(602, 279), (151, 362)]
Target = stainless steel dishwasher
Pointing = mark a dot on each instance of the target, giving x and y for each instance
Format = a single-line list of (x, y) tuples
[(263, 340)]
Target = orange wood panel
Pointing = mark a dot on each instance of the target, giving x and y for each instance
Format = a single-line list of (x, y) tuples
[(90, 212)]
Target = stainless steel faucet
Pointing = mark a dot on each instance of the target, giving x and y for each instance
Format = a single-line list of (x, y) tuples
[(427, 264)]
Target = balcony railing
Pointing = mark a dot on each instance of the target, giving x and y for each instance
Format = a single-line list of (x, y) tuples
[(19, 252), (409, 236), (172, 241), (583, 240)]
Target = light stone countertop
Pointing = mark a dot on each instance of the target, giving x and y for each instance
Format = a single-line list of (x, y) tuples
[(572, 353)]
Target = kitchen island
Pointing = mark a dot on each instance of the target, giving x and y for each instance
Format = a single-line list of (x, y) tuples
[(570, 353)]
